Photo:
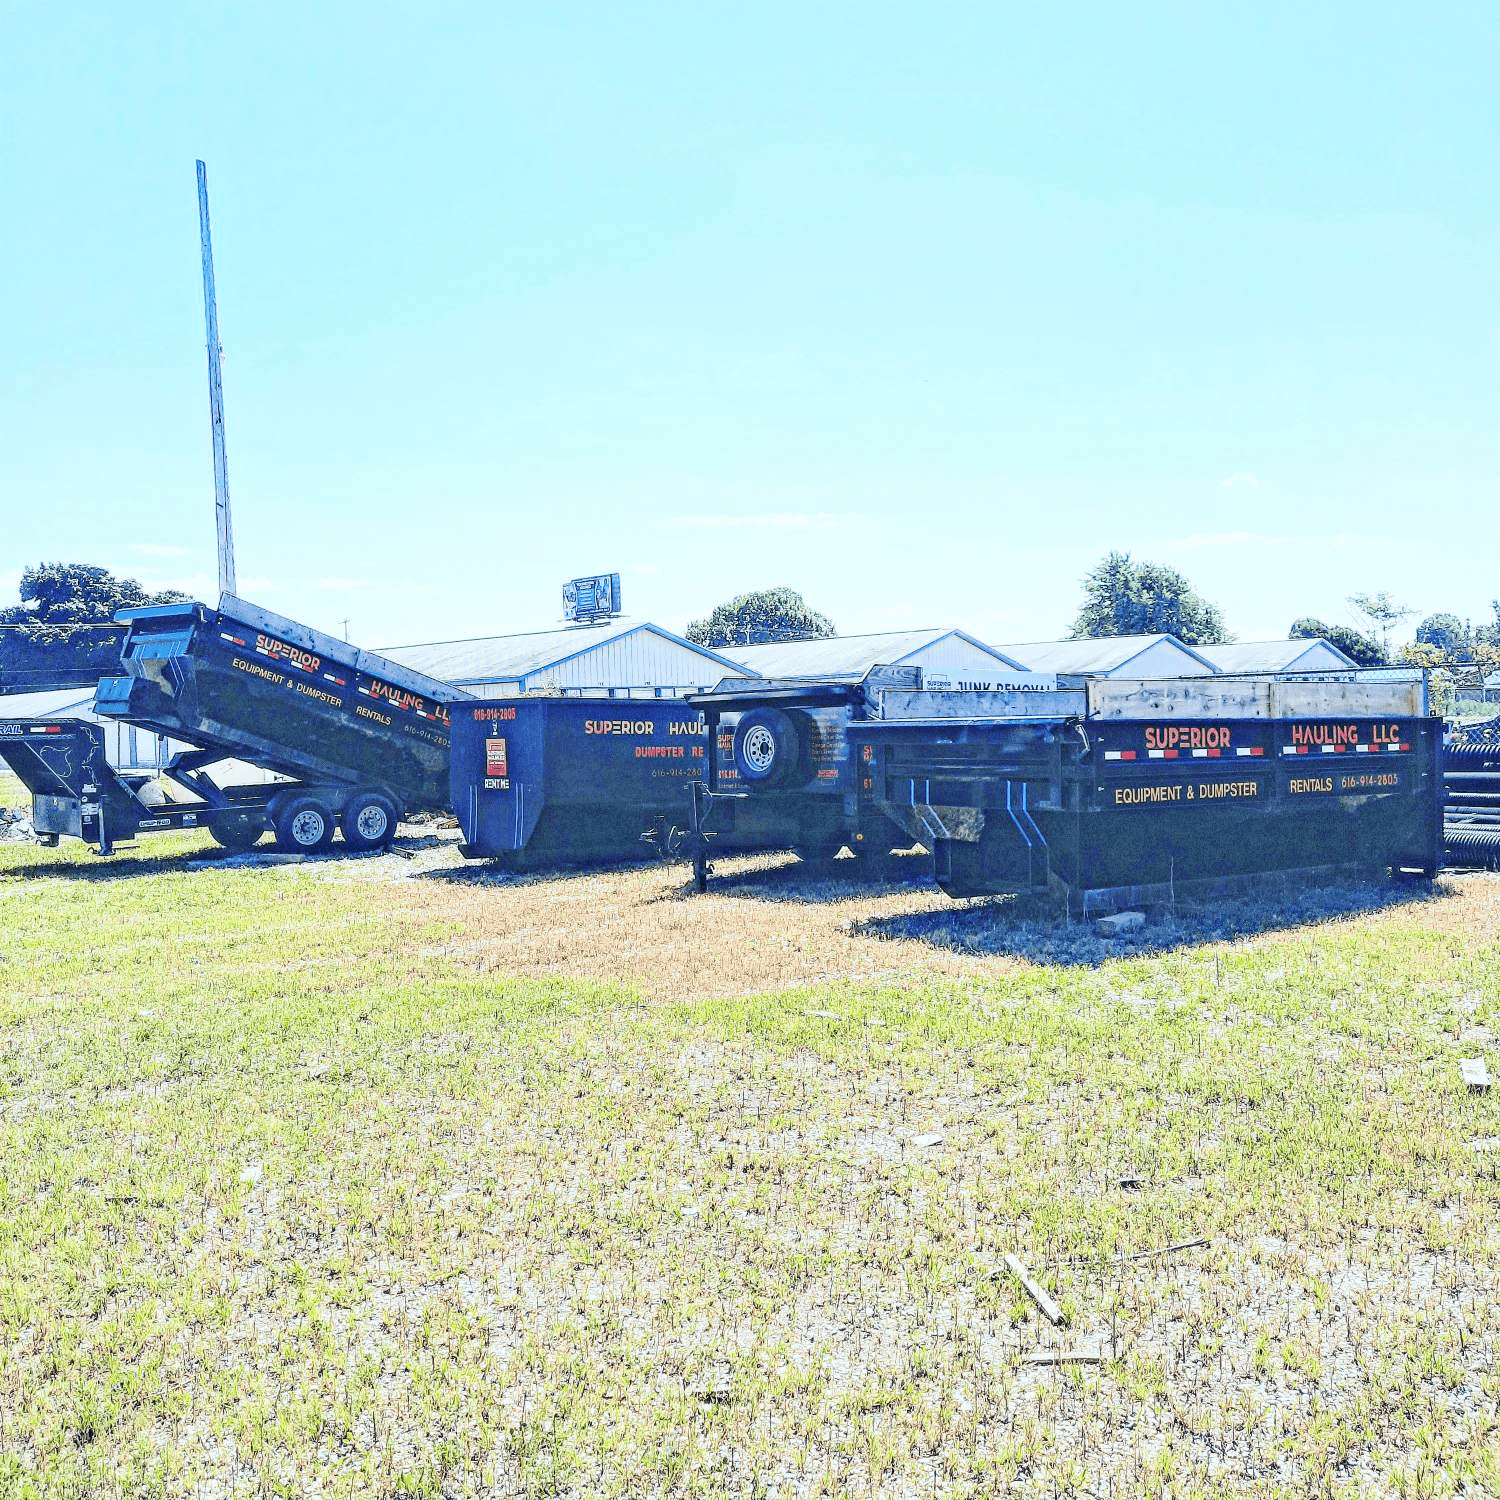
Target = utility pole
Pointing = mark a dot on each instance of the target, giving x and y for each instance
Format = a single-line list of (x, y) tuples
[(216, 395)]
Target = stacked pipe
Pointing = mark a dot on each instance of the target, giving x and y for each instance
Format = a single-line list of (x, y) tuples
[(1471, 778)]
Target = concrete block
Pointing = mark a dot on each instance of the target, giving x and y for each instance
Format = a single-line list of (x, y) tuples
[(1121, 921)]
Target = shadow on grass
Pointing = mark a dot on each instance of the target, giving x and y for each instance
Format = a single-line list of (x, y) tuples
[(1003, 926), (133, 861), (126, 865), (839, 879), (737, 873), (498, 872)]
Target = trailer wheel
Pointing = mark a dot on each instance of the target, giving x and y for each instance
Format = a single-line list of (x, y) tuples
[(237, 831), (767, 748), (303, 826), (368, 820)]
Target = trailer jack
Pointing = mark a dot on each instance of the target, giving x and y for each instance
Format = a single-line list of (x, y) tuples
[(699, 835)]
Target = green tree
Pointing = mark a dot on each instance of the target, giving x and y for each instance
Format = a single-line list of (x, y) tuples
[(1452, 636), (1362, 650), (1489, 635), (763, 615), (1123, 597), (1383, 612), (61, 634), (1452, 676)]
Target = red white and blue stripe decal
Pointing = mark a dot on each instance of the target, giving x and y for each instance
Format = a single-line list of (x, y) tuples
[(1344, 749), (1216, 753)]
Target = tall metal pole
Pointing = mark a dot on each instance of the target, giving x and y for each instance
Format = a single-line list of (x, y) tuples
[(216, 395)]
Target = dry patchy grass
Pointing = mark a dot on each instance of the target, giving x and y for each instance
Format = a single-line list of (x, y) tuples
[(348, 1179)]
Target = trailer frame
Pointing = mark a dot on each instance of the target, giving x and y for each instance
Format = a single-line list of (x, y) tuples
[(1053, 792)]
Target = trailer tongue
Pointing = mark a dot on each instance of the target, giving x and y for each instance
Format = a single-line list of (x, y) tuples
[(361, 740), (76, 793)]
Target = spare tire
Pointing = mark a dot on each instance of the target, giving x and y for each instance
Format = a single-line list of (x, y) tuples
[(768, 749), (237, 830)]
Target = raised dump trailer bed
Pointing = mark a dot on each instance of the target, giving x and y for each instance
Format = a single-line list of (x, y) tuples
[(551, 779), (362, 740), (1118, 792)]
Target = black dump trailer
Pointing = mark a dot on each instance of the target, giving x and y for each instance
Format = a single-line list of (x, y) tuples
[(789, 744), (1115, 793), (543, 780), (360, 740), (785, 744), (76, 793)]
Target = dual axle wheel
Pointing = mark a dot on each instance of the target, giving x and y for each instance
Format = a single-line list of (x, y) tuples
[(304, 824)]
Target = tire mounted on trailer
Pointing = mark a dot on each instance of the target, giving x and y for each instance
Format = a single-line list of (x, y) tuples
[(303, 826), (768, 750), (237, 831), (368, 820)]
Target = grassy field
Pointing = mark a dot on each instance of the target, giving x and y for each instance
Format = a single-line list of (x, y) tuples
[(382, 1177)]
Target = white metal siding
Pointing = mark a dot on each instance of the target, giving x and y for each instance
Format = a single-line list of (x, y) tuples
[(642, 660), (128, 748), (955, 657), (641, 665), (1163, 659), (1319, 658)]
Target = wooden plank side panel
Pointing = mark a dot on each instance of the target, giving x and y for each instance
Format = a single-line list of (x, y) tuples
[(1046, 704), (1340, 700), (1198, 698), (1251, 698)]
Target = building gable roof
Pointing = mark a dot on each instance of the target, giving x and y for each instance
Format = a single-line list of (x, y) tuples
[(506, 658), (1096, 654), (1268, 656), (53, 703), (847, 655)]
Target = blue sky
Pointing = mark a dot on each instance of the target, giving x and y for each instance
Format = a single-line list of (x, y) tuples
[(917, 309)]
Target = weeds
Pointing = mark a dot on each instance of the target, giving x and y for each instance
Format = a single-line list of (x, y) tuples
[(316, 1180)]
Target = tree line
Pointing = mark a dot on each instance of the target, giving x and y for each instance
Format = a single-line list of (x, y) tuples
[(61, 634), (1123, 596)]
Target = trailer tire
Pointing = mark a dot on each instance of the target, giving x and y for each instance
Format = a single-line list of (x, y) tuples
[(368, 820), (303, 826), (767, 748), (238, 831)]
